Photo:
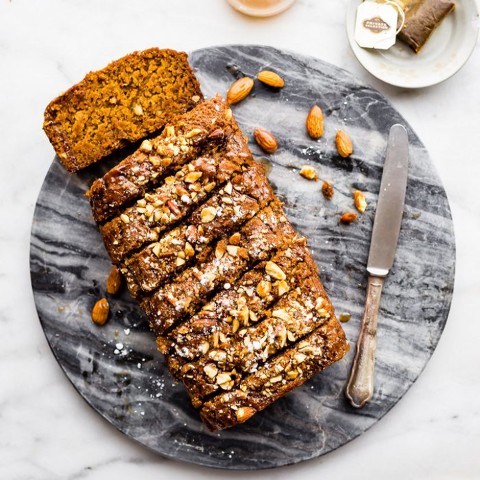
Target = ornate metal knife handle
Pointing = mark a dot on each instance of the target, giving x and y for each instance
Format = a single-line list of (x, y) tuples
[(360, 384)]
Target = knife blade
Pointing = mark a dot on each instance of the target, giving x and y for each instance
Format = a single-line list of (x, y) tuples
[(383, 245)]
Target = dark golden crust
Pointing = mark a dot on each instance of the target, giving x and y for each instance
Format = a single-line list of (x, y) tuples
[(108, 109), (295, 315), (243, 305), (267, 231), (326, 345), (421, 19), (204, 127), (175, 199), (219, 216)]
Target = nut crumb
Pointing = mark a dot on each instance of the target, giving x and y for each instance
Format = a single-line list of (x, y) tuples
[(179, 262), (263, 288), (146, 146), (282, 314), (327, 190), (210, 370), (244, 413), (193, 133), (309, 173), (232, 250), (283, 287), (348, 217), (192, 177), (360, 202), (228, 188), (189, 250), (275, 271), (235, 238), (220, 250), (208, 214)]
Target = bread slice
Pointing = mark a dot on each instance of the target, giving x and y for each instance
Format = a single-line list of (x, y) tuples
[(223, 213), (128, 100), (206, 125), (258, 238), (219, 322), (175, 198), (326, 345)]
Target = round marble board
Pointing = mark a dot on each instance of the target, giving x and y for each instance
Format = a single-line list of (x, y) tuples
[(117, 369)]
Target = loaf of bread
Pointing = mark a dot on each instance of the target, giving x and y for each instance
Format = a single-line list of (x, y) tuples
[(129, 99), (229, 287)]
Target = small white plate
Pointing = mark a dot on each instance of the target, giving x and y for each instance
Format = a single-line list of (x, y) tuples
[(445, 52)]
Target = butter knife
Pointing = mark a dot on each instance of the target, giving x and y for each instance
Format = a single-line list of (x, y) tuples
[(383, 244)]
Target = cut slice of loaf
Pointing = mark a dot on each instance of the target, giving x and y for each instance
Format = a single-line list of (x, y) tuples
[(239, 307), (222, 214), (206, 125), (326, 345), (128, 100)]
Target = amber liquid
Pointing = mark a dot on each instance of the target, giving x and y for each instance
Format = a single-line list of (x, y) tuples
[(261, 8), (260, 4)]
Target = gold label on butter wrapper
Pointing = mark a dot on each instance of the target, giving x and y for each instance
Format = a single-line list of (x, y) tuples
[(376, 25)]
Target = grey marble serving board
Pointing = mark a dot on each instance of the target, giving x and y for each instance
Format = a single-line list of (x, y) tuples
[(117, 369)]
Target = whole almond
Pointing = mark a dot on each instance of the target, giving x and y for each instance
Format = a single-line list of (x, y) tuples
[(348, 217), (314, 122), (239, 90), (265, 140), (100, 311), (271, 79), (344, 144), (114, 281)]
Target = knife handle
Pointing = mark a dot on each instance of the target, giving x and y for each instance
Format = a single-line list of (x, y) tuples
[(360, 384)]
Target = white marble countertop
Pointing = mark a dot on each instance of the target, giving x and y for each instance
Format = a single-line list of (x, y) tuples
[(47, 431)]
